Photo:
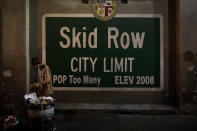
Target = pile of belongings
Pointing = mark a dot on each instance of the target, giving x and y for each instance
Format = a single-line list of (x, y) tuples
[(11, 121), (41, 103)]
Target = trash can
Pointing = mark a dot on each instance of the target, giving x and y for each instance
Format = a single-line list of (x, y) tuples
[(41, 118), (40, 112)]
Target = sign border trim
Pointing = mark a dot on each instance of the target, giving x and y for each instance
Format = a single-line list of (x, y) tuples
[(109, 88)]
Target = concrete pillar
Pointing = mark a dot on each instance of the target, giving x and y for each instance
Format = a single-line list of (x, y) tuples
[(188, 31), (12, 50), (0, 59)]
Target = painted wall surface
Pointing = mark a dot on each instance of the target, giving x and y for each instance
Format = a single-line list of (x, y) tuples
[(76, 6), (188, 31), (12, 52)]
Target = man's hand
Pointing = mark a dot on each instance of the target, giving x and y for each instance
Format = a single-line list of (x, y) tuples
[(36, 85)]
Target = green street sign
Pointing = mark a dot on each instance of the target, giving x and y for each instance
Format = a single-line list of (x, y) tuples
[(123, 53)]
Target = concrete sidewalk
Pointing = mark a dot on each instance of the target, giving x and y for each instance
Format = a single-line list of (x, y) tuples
[(106, 121), (75, 120)]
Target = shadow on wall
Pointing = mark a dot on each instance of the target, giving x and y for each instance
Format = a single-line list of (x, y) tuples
[(0, 61)]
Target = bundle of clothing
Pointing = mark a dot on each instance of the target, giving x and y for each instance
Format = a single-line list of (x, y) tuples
[(40, 103)]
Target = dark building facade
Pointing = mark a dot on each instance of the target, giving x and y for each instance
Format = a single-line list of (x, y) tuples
[(167, 29)]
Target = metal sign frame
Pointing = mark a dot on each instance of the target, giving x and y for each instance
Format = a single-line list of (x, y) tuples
[(109, 88)]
